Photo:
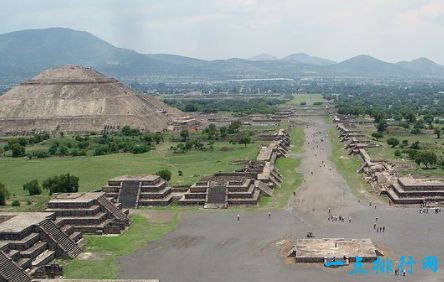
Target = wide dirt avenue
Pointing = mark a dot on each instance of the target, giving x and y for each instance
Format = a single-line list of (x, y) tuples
[(211, 245)]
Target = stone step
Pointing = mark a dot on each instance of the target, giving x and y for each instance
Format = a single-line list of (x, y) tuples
[(35, 250), (10, 271), (44, 258), (60, 238)]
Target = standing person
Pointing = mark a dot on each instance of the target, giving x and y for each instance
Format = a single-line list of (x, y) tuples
[(374, 225), (269, 214), (329, 210), (376, 219), (238, 217), (383, 228)]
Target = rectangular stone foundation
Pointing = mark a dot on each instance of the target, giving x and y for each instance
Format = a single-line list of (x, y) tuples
[(318, 250)]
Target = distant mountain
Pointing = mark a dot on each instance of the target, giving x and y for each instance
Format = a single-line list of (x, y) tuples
[(263, 57), (25, 53), (423, 66), (364, 65), (308, 60)]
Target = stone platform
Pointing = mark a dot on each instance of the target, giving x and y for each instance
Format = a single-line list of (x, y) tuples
[(320, 250), (29, 242)]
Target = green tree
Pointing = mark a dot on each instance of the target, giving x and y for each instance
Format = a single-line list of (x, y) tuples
[(428, 119), (64, 183), (437, 131), (165, 174), (381, 126), (393, 142), (426, 157), (377, 135), (33, 187), (4, 194), (184, 134), (17, 150), (245, 139)]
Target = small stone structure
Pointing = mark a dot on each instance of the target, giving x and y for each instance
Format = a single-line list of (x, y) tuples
[(31, 241), (327, 249), (89, 213), (133, 191), (242, 187), (409, 190)]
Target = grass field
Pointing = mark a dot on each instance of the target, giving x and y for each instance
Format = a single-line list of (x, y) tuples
[(95, 171), (346, 165), (105, 250), (308, 98), (291, 179)]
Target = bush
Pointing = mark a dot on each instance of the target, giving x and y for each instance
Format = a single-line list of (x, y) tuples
[(397, 153), (33, 187), (17, 150), (393, 142), (377, 135), (139, 149), (317, 103), (15, 203), (4, 194), (64, 183), (39, 154), (165, 174), (180, 173)]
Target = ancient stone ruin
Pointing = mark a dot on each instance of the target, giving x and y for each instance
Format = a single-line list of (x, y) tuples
[(29, 242), (334, 249), (135, 191), (243, 187), (409, 190), (80, 100), (90, 213), (382, 175)]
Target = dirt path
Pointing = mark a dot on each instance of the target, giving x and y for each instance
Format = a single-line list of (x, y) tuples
[(323, 186)]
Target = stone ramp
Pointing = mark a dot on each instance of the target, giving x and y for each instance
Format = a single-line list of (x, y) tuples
[(216, 197), (264, 188), (61, 239), (112, 209), (9, 271), (129, 193)]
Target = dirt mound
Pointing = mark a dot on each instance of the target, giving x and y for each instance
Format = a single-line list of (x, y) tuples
[(79, 100)]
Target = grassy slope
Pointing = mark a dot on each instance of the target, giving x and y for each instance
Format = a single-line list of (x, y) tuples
[(346, 165), (95, 171), (106, 250), (291, 178)]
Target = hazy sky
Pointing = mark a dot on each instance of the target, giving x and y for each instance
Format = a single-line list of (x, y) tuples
[(391, 30)]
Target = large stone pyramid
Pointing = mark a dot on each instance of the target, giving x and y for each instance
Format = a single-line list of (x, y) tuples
[(79, 100)]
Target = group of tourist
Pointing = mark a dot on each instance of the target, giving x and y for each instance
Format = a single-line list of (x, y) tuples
[(339, 218)]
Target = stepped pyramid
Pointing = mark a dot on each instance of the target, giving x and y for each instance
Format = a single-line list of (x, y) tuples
[(75, 99)]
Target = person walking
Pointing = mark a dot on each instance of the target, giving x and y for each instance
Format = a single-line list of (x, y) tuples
[(374, 225), (383, 228), (269, 214), (238, 217)]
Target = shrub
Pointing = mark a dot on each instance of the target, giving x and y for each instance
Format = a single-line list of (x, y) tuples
[(33, 187), (393, 142), (4, 194), (165, 174), (64, 183), (180, 173), (397, 153), (15, 203), (39, 154)]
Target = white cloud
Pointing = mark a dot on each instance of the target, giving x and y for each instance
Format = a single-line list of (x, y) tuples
[(388, 29)]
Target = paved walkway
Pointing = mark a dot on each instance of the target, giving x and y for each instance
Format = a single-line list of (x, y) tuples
[(214, 246)]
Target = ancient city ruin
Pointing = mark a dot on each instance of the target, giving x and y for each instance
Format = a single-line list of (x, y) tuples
[(89, 213), (29, 242), (382, 174)]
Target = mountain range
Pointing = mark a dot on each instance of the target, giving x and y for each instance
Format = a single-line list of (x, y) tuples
[(27, 52)]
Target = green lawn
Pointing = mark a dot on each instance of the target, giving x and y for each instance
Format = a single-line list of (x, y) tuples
[(346, 165), (308, 98), (95, 171), (105, 250), (287, 167)]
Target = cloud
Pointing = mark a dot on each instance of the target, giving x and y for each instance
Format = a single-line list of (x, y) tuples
[(390, 29)]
